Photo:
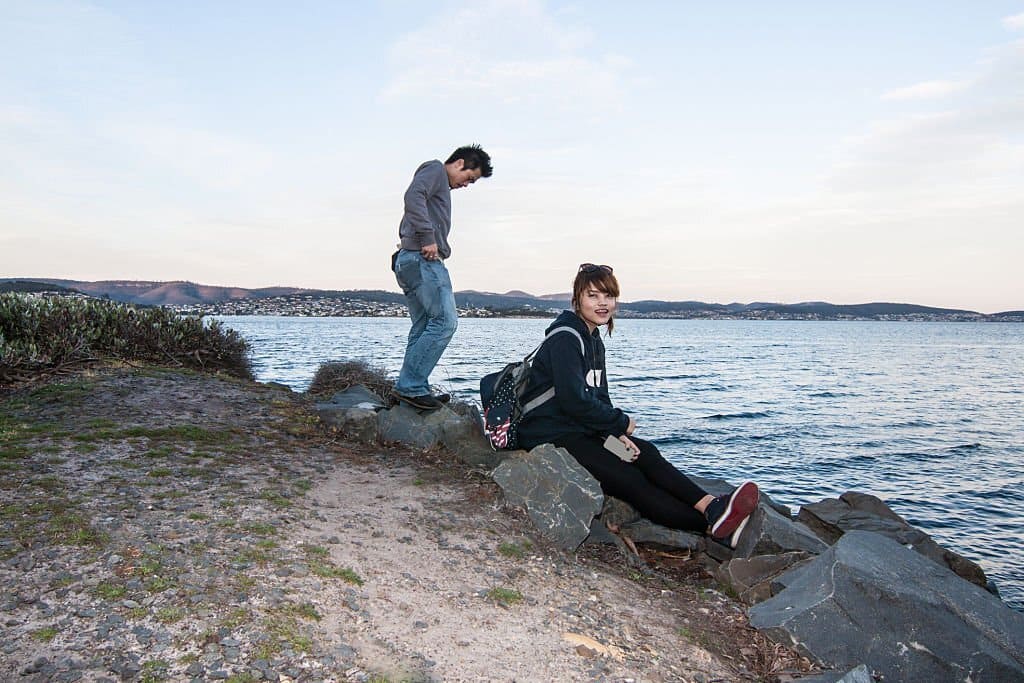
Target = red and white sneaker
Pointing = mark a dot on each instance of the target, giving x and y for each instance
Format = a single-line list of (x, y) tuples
[(726, 514)]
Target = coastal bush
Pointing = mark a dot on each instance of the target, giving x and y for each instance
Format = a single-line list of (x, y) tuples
[(43, 335), (334, 376)]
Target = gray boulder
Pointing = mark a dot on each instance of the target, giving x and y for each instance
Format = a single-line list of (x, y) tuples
[(646, 531), (832, 517), (423, 429), (470, 411), (560, 496), (629, 524), (358, 396), (858, 674), (353, 412), (870, 600), (616, 512), (462, 433), (359, 424), (752, 578)]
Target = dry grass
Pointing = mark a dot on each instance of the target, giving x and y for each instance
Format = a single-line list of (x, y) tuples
[(335, 376)]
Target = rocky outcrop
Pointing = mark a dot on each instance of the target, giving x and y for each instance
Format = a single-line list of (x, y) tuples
[(559, 495), (363, 416), (870, 600), (832, 517)]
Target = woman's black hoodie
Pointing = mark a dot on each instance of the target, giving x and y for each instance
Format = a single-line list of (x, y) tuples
[(581, 404)]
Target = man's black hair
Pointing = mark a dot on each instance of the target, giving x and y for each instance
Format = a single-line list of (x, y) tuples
[(473, 156)]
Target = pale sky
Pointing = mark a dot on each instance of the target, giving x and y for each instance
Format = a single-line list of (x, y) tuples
[(736, 151)]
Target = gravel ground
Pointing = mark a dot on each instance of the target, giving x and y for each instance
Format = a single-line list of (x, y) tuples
[(166, 525)]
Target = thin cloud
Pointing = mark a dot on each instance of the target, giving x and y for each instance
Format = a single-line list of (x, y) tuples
[(926, 90), (465, 51), (1015, 22), (957, 151)]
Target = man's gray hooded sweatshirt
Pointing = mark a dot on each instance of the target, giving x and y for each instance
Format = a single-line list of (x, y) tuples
[(581, 404), (428, 210)]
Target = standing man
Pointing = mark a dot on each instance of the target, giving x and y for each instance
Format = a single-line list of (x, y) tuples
[(420, 271)]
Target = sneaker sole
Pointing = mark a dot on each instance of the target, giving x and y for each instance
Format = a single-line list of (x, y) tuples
[(415, 404), (734, 539), (741, 503)]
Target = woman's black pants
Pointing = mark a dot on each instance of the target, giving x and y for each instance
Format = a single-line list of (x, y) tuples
[(651, 484)]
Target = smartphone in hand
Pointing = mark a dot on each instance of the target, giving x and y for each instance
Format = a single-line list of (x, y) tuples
[(620, 449)]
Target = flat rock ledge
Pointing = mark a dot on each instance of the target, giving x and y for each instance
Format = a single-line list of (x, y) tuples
[(846, 582)]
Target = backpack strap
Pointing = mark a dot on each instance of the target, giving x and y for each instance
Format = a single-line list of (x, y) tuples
[(550, 392)]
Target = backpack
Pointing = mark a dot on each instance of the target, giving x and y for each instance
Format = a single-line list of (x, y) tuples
[(501, 395)]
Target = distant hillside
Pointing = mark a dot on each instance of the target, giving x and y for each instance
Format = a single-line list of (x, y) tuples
[(30, 286), (165, 293), (811, 308), (514, 299), (191, 294)]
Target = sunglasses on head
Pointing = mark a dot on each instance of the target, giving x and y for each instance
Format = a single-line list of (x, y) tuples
[(593, 267)]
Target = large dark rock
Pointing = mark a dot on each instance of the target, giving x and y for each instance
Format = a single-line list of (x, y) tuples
[(559, 495), (831, 518), (646, 531), (358, 396), (359, 424), (752, 578), (423, 429), (470, 411), (858, 674), (353, 412), (462, 433), (616, 512), (769, 533), (870, 600)]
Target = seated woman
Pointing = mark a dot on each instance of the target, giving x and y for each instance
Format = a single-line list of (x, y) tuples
[(581, 416)]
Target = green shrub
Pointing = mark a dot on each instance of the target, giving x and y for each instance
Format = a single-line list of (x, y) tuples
[(334, 376), (39, 335)]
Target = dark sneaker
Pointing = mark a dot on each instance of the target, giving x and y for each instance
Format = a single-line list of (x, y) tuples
[(443, 398), (725, 514), (424, 402)]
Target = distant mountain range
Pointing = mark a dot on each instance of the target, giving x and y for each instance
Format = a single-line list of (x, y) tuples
[(183, 294)]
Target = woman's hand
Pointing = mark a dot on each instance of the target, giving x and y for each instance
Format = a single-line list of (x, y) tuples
[(628, 442), (631, 427)]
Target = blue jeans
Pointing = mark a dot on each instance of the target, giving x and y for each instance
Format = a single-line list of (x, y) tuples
[(431, 301)]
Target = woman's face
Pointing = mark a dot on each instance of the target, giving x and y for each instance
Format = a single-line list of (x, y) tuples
[(595, 307)]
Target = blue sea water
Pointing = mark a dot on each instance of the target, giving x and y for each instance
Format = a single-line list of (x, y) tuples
[(928, 416)]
